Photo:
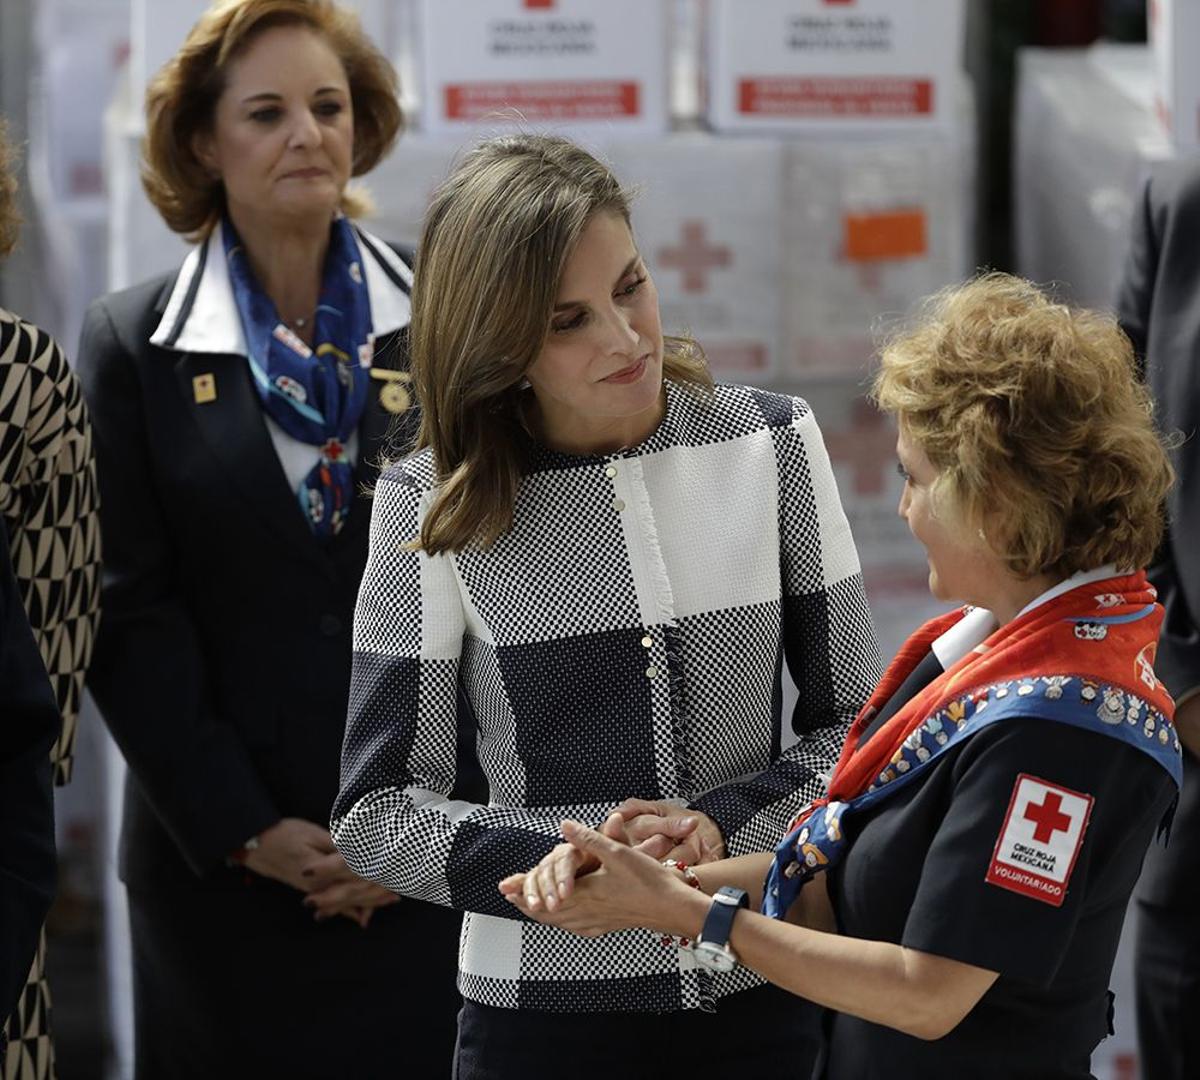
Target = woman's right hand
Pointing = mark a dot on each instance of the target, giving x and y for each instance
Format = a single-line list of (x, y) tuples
[(553, 879)]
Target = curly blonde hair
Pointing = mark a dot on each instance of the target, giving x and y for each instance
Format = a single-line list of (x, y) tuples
[(1032, 413), (181, 99), (10, 216)]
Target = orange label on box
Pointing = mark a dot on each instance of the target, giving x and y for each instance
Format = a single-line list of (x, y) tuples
[(897, 234), (543, 100), (832, 96)]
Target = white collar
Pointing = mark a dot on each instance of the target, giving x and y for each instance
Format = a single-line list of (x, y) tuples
[(978, 624), (1080, 577), (201, 315)]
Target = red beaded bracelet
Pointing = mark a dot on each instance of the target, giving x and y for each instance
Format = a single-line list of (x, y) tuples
[(689, 876)]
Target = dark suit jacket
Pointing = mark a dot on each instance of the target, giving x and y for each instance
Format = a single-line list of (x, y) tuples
[(222, 666), (1158, 303), (29, 725)]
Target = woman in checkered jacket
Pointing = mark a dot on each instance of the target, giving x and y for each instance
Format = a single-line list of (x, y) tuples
[(612, 558)]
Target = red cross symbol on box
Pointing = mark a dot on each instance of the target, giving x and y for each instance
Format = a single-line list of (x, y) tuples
[(540, 3), (695, 256), (1048, 818), (869, 447)]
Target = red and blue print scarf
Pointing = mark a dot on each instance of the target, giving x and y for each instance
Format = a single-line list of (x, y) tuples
[(1084, 658)]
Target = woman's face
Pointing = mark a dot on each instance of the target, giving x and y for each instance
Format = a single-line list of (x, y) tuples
[(602, 360), (283, 129), (961, 568)]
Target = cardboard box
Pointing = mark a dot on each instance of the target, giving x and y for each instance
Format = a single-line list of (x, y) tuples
[(870, 227), (83, 44), (862, 450), (832, 65), (706, 218), (1174, 27), (141, 245), (401, 186), (1082, 149), (159, 27), (572, 64)]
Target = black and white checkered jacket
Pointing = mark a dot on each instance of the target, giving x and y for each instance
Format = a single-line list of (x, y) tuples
[(624, 638)]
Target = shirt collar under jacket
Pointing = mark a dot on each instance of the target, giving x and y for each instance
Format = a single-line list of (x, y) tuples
[(201, 315), (978, 624)]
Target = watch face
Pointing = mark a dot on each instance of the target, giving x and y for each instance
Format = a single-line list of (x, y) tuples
[(714, 957)]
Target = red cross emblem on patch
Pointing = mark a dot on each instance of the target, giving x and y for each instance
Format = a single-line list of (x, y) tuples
[(1040, 840), (333, 450)]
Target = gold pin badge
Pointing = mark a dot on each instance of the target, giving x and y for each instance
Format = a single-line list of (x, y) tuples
[(204, 388), (394, 396)]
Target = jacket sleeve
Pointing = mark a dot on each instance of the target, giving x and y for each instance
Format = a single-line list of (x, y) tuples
[(1136, 289), (394, 820), (828, 642), (148, 674), (48, 488), (1178, 658), (29, 723)]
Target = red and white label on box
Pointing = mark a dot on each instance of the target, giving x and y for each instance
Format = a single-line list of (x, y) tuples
[(569, 63), (829, 96), (552, 101), (1040, 840), (832, 65)]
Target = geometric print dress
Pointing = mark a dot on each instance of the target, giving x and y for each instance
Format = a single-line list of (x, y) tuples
[(49, 505)]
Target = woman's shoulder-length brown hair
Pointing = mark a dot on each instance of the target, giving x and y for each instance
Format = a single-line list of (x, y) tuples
[(496, 238), (1042, 434), (181, 99)]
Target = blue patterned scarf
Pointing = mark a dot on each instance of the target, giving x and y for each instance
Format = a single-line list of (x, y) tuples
[(318, 394)]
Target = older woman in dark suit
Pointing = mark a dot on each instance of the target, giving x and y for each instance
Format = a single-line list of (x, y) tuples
[(240, 406)]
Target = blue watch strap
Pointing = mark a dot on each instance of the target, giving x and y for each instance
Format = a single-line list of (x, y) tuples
[(727, 902)]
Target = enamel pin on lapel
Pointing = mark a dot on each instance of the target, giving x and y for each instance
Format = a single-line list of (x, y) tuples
[(204, 388), (394, 395)]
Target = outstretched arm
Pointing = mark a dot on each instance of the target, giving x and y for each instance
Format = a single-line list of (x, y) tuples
[(915, 992)]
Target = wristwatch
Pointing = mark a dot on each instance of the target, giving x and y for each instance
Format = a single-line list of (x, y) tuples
[(712, 949)]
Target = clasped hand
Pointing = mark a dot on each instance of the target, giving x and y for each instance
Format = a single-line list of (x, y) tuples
[(613, 878), (301, 854)]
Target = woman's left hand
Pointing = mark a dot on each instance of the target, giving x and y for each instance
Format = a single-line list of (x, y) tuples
[(630, 889)]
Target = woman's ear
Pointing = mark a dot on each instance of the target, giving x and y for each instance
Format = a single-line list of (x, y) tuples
[(205, 152)]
